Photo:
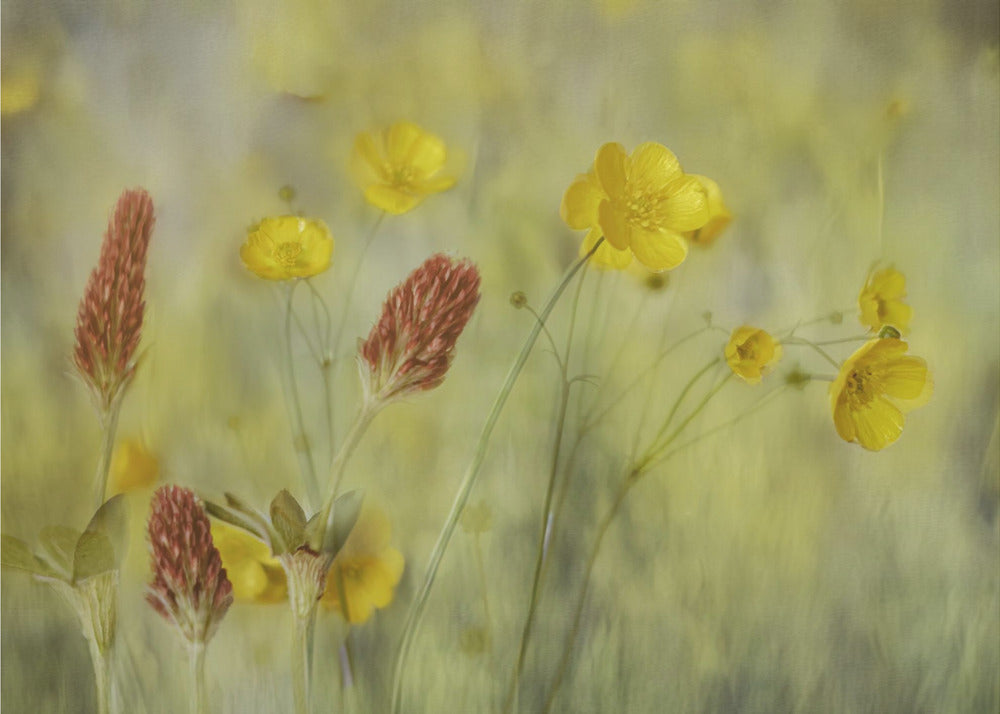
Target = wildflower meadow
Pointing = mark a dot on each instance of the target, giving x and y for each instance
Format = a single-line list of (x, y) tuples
[(501, 357)]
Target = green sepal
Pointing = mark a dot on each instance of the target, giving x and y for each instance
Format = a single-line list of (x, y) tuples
[(288, 521), (58, 548), (111, 519), (102, 545), (329, 536), (15, 553), (94, 554)]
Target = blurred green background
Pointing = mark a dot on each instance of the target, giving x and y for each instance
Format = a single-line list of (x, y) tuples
[(771, 568)]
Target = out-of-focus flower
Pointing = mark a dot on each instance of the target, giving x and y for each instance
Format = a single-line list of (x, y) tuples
[(133, 465), (399, 166), (876, 386), (411, 347), (20, 87), (109, 319), (286, 247), (256, 575), (719, 216), (751, 353), (190, 587), (367, 569), (645, 203), (881, 301), (477, 518)]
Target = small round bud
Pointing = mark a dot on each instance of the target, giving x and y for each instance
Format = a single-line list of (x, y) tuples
[(657, 281), (707, 317), (518, 299), (836, 317), (888, 331), (797, 378), (286, 193)]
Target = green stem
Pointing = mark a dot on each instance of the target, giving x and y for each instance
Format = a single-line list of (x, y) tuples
[(654, 452), (593, 421), (338, 467), (109, 428), (547, 516), (300, 656), (353, 284), (102, 676), (468, 481), (680, 398), (304, 454), (584, 589), (196, 652), (816, 348)]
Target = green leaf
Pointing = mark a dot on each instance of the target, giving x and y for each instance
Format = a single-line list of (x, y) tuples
[(341, 520), (111, 519), (288, 520), (235, 518), (15, 553), (58, 548), (95, 554)]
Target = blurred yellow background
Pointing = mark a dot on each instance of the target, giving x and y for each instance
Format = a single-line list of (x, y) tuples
[(770, 568)]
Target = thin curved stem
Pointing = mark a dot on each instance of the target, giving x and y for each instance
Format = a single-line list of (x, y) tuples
[(816, 348), (654, 452), (468, 481), (547, 514), (584, 589), (354, 282), (300, 444)]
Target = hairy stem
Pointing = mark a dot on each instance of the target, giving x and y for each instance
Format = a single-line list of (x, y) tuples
[(196, 653), (109, 428)]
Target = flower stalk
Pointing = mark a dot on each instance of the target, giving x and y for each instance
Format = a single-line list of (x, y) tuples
[(469, 480)]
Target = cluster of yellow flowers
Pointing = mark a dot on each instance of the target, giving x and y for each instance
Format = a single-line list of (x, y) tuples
[(876, 385), (396, 168)]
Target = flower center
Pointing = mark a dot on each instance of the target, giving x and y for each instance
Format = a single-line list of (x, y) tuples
[(746, 351), (286, 253), (399, 175), (860, 386), (643, 208)]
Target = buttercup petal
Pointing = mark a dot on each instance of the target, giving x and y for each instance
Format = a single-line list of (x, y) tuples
[(579, 208), (655, 164), (610, 167), (686, 205), (877, 424), (660, 250), (390, 199)]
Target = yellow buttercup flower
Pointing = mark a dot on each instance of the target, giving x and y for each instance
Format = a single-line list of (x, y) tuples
[(751, 353), (645, 205), (286, 247), (719, 216), (881, 301), (256, 575), (367, 567), (133, 465), (399, 166), (876, 386)]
